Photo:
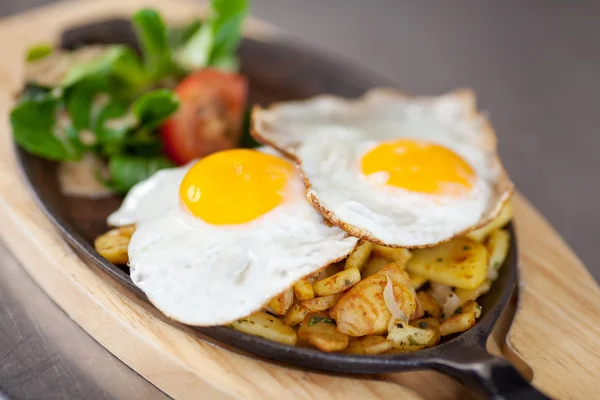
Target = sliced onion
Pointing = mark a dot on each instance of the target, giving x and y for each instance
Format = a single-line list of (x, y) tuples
[(450, 305), (390, 302), (419, 309), (440, 292)]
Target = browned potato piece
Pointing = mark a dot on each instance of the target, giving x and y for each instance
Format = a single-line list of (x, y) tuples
[(457, 323), (373, 265), (321, 303), (502, 219), (267, 326), (426, 323), (399, 255), (303, 289), (497, 244), (296, 315), (113, 244), (472, 294), (359, 256), (337, 283), (281, 303), (369, 345), (319, 330), (429, 304), (362, 310), (416, 281), (461, 263), (472, 307), (406, 337)]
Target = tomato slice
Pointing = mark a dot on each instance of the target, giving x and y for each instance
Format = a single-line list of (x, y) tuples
[(209, 117)]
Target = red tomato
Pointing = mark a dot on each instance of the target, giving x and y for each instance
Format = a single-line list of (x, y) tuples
[(209, 117)]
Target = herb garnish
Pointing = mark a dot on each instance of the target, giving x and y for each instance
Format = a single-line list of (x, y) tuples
[(316, 319)]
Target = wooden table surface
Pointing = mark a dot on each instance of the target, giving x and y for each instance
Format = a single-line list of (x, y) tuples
[(533, 65)]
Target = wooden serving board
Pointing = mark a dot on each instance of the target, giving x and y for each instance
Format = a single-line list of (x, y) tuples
[(554, 337)]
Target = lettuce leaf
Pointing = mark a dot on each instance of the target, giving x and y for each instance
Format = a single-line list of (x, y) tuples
[(125, 171)]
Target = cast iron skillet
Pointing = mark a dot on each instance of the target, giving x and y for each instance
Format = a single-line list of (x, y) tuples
[(280, 71)]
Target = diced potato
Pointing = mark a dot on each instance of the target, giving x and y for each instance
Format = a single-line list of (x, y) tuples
[(397, 254), (502, 219), (430, 306), (280, 304), (113, 244), (426, 323), (296, 315), (321, 303), (337, 283), (497, 245), (460, 262), (472, 294), (320, 331), (472, 307), (369, 345), (303, 289), (416, 281), (362, 309), (359, 256), (373, 265), (457, 323), (406, 337), (267, 326)]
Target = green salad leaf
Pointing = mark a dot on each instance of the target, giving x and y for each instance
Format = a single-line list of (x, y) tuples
[(152, 35), (38, 52), (152, 108), (177, 36), (36, 129), (125, 171), (215, 43)]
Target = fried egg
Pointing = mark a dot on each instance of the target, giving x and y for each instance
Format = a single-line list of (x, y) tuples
[(395, 170), (217, 239)]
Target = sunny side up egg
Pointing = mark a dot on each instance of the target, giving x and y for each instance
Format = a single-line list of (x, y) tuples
[(217, 239), (395, 170)]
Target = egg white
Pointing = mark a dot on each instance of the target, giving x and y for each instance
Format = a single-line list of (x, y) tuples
[(329, 135), (202, 274)]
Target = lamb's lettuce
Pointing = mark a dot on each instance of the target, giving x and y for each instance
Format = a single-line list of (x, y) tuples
[(114, 96)]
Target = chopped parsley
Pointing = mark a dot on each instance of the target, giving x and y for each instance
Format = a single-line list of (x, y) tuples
[(412, 341), (466, 248), (315, 320), (458, 311), (423, 325), (348, 282), (440, 259)]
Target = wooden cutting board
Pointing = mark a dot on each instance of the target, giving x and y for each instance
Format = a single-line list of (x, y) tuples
[(554, 337)]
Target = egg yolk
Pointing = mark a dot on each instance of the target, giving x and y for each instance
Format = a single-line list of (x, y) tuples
[(235, 186), (420, 166)]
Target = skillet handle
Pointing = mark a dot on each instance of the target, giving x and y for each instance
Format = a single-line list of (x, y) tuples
[(492, 376)]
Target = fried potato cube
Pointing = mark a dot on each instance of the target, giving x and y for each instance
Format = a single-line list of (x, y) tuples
[(321, 303), (362, 309), (373, 265), (359, 256), (426, 323), (497, 245), (406, 337), (416, 281), (502, 219), (472, 294), (337, 283), (457, 323), (296, 315), (461, 262), (267, 326), (281, 303), (429, 304), (472, 307), (303, 289), (113, 244), (399, 255), (320, 331), (372, 344)]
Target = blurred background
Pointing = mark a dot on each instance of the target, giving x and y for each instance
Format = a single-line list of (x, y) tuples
[(534, 66)]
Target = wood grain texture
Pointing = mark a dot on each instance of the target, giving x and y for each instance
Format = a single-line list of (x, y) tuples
[(556, 328)]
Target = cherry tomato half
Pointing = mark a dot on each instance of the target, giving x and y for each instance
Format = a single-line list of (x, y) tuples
[(209, 117)]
